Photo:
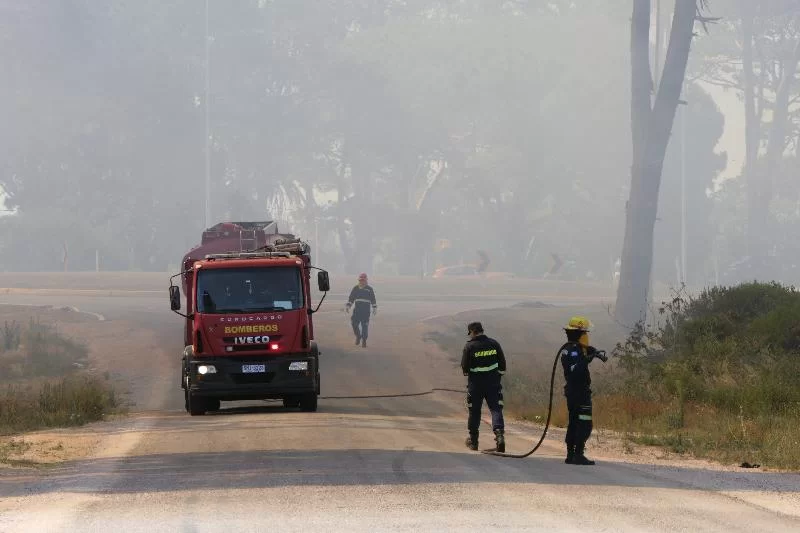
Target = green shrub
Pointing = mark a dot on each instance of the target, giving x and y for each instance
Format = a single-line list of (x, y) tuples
[(725, 367)]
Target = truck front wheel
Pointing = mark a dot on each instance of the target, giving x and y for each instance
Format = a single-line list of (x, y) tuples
[(197, 406), (308, 402), (291, 401)]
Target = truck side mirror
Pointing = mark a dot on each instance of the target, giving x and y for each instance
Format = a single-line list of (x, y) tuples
[(323, 281), (175, 297)]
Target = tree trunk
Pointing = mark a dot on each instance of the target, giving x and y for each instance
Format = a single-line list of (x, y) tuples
[(363, 221), (358, 248), (641, 90), (759, 174), (777, 140), (755, 206), (341, 226), (651, 129)]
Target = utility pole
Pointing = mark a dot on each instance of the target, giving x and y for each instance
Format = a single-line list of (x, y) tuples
[(317, 245), (659, 44), (684, 117), (208, 122)]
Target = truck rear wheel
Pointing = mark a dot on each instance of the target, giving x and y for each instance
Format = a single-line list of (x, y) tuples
[(308, 402)]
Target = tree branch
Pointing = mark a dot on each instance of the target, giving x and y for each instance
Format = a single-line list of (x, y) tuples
[(671, 87), (719, 82)]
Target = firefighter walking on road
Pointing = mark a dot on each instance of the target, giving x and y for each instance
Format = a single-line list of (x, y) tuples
[(362, 300), (576, 354), (484, 364)]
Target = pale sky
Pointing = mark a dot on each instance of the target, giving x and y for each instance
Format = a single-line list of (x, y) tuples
[(732, 140)]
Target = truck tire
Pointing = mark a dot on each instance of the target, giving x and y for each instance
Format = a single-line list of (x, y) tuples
[(315, 354), (308, 402), (212, 404), (197, 406), (291, 401), (185, 388)]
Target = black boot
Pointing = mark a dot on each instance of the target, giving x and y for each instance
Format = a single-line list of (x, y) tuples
[(472, 441), (500, 440), (358, 340), (363, 343), (570, 454), (581, 459)]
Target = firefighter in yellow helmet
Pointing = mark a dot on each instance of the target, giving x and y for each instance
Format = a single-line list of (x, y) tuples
[(576, 354)]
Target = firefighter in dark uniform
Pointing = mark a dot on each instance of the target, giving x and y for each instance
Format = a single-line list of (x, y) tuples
[(362, 300), (576, 355), (484, 363)]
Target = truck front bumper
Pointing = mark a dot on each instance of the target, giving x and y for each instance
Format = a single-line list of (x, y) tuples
[(253, 378)]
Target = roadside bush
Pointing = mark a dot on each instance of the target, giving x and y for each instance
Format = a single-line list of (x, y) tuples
[(39, 351), (10, 336), (45, 385), (725, 367), (68, 402)]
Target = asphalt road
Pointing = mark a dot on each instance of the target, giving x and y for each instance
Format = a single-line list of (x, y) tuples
[(355, 465)]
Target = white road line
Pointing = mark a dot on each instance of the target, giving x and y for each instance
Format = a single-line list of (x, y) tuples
[(98, 316)]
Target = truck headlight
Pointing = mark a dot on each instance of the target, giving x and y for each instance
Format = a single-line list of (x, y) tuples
[(206, 369), (298, 365)]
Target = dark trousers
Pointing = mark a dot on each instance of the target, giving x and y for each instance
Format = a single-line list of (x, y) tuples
[(580, 419), (362, 320), (484, 387)]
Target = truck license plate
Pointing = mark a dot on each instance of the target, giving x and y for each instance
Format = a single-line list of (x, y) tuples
[(253, 369)]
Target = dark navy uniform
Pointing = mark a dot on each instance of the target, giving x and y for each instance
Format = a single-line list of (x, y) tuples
[(484, 363), (575, 359), (362, 299)]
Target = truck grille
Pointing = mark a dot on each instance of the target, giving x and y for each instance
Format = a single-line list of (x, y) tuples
[(246, 379), (248, 348)]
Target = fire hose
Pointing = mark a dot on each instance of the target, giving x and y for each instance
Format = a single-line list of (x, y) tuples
[(431, 391), (600, 354), (546, 423)]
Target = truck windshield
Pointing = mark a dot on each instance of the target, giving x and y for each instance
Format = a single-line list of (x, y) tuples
[(249, 290)]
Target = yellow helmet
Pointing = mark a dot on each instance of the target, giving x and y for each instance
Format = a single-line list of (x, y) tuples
[(579, 323)]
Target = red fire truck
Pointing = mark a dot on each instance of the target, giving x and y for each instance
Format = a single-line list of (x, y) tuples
[(249, 332)]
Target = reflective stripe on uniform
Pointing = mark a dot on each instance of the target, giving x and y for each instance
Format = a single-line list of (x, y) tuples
[(584, 417), (362, 300), (484, 368)]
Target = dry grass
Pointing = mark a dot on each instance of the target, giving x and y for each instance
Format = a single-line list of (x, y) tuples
[(694, 429), (44, 379), (66, 402)]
